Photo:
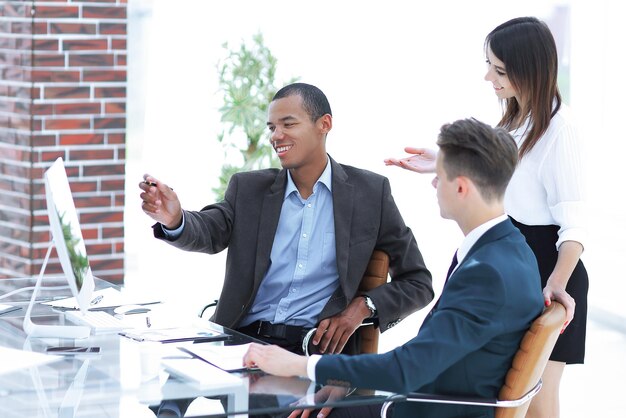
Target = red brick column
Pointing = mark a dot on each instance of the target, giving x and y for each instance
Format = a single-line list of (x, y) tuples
[(62, 94)]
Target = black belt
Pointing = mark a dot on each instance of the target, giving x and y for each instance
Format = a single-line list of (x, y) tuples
[(265, 329)]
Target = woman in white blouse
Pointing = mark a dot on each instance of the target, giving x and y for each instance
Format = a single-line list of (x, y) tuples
[(545, 197)]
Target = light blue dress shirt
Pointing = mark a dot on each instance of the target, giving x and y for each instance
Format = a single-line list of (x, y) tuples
[(303, 263)]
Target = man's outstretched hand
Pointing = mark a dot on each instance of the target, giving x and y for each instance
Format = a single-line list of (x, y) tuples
[(422, 160), (160, 202)]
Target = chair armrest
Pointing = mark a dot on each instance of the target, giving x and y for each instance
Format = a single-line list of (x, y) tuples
[(456, 400), (461, 400), (210, 305)]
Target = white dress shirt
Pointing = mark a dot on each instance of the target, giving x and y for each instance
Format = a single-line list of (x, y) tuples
[(547, 187)]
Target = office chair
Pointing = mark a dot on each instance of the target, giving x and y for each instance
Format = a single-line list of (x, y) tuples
[(375, 275), (207, 306), (522, 381)]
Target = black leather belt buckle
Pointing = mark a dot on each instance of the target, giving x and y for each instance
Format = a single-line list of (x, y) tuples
[(269, 330), (292, 335)]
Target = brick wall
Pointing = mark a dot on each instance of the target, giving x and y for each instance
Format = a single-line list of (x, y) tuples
[(62, 94)]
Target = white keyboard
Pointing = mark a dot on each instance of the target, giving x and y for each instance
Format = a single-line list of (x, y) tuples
[(99, 321)]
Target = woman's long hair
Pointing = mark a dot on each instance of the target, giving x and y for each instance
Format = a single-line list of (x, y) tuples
[(526, 47)]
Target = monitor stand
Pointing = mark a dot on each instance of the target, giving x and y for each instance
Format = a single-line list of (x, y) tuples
[(52, 331)]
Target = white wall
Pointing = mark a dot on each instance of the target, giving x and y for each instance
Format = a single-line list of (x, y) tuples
[(394, 72), (598, 91)]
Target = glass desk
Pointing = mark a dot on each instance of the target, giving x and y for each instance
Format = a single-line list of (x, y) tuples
[(112, 383)]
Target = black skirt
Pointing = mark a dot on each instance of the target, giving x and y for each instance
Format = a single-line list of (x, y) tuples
[(570, 347)]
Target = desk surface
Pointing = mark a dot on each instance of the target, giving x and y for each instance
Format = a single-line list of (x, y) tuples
[(111, 384)]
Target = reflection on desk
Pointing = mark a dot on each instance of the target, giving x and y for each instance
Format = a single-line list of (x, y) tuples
[(201, 372), (13, 359), (112, 384)]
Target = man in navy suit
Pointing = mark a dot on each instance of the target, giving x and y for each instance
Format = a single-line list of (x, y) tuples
[(466, 344)]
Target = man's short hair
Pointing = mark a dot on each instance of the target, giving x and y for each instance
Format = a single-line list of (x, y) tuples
[(314, 100), (485, 155)]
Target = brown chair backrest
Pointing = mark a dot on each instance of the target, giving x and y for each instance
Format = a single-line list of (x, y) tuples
[(375, 275), (531, 359)]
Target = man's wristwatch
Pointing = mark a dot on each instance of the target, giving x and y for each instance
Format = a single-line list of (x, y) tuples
[(370, 305)]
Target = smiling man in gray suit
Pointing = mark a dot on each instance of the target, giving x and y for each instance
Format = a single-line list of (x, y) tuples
[(299, 239)]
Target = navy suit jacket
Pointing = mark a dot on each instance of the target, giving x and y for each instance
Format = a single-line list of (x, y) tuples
[(466, 344), (366, 218)]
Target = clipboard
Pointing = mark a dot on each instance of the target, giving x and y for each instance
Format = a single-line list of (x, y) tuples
[(226, 357), (175, 335)]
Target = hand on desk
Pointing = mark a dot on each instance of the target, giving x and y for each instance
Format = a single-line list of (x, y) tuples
[(160, 202), (275, 360)]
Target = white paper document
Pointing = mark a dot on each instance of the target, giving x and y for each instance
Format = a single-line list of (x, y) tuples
[(13, 359), (226, 357)]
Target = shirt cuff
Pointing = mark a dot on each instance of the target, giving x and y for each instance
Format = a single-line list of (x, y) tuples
[(174, 233), (310, 366)]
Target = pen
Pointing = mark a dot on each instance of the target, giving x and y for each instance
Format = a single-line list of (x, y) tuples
[(151, 183), (132, 336), (96, 300)]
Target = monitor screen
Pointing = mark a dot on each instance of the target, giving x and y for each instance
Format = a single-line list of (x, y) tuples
[(67, 235)]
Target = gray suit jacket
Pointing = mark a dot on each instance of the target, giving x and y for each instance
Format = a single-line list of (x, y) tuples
[(366, 218)]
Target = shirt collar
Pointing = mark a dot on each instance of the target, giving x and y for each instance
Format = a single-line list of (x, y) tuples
[(475, 234), (326, 179)]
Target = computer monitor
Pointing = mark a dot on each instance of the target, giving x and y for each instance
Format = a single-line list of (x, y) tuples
[(71, 250)]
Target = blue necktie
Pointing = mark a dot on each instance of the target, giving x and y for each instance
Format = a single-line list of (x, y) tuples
[(455, 262)]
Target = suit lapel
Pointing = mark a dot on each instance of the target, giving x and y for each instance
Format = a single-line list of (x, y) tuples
[(270, 214), (343, 202), (494, 233)]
